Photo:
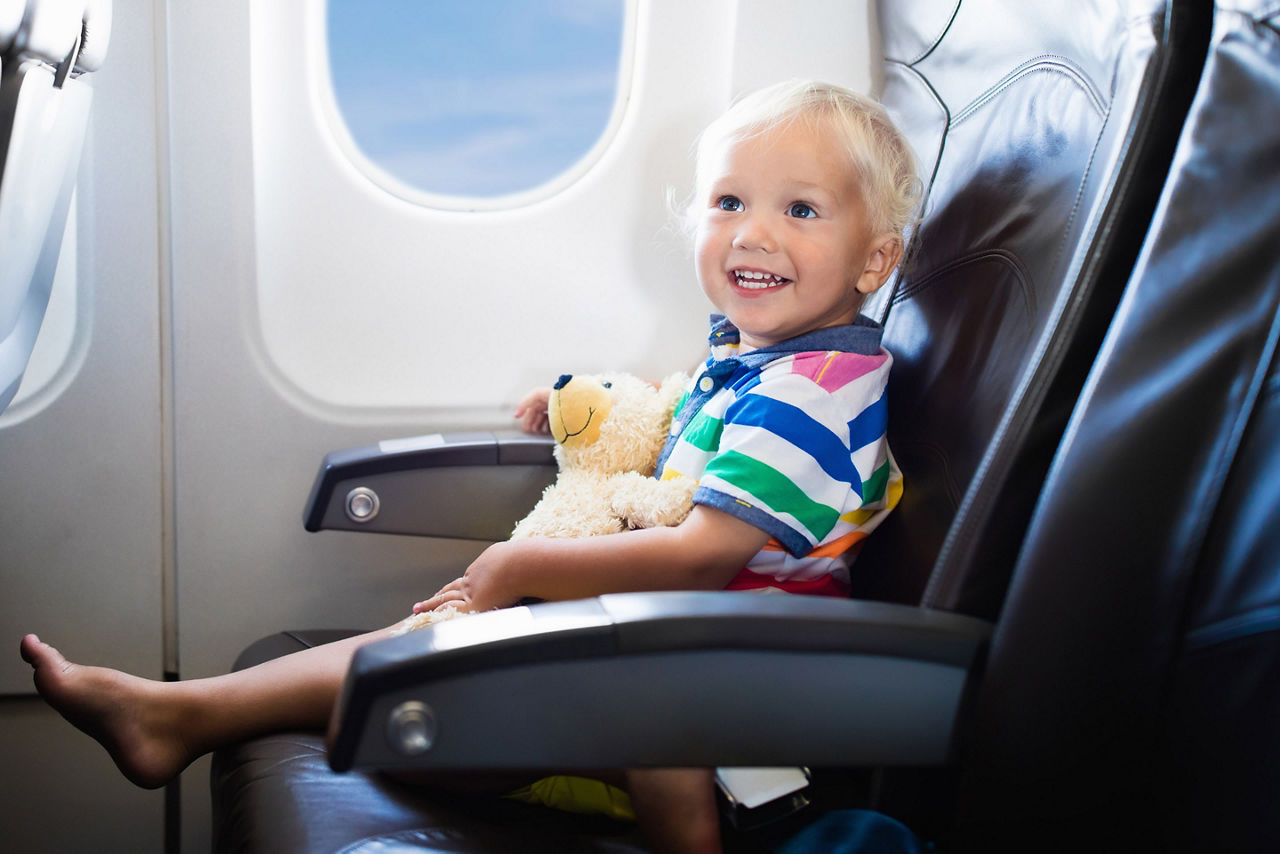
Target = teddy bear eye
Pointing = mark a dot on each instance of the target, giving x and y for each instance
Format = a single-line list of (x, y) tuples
[(608, 385)]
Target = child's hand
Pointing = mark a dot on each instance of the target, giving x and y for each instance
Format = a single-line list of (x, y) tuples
[(479, 588), (532, 411)]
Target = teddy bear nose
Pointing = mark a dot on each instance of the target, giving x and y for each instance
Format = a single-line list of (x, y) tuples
[(563, 381)]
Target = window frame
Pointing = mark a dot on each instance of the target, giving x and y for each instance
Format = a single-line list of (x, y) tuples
[(340, 134)]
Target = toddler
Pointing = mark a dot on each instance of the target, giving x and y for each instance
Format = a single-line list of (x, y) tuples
[(803, 194)]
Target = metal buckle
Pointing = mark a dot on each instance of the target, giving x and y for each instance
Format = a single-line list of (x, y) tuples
[(746, 812)]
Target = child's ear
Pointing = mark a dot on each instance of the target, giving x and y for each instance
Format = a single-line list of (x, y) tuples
[(886, 252)]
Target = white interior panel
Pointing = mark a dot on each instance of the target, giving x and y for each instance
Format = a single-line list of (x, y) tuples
[(81, 464), (80, 453), (366, 300), (826, 40), (237, 298), (379, 302)]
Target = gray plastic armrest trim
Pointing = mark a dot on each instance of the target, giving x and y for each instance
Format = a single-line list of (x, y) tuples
[(463, 485), (658, 679)]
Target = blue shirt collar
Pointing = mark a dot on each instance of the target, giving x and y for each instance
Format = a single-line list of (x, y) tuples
[(862, 336)]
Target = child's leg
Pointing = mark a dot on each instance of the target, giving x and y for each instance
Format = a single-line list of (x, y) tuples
[(155, 729), (676, 808)]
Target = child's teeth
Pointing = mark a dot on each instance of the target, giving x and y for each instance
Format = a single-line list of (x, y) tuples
[(756, 280)]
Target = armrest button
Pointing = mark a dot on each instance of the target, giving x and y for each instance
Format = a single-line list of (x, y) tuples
[(411, 729), (362, 504)]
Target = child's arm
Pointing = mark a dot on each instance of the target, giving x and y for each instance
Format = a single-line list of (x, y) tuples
[(704, 552)]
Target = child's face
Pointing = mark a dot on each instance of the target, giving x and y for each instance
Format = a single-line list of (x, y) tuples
[(783, 246)]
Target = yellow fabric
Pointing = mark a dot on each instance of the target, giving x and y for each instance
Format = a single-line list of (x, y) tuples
[(577, 795)]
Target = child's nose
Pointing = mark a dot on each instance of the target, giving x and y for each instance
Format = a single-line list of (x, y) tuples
[(755, 233)]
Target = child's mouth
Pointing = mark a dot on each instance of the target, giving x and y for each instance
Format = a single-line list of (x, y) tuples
[(755, 280)]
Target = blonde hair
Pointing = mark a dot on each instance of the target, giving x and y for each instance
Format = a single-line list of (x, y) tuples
[(880, 156)]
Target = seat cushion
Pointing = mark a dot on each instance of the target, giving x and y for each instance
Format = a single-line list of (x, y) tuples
[(277, 794)]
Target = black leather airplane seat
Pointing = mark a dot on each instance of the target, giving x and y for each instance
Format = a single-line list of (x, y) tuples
[(46, 48), (1045, 132), (1131, 699), (1047, 129), (278, 794)]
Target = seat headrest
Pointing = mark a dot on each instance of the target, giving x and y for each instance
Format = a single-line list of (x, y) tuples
[(47, 30)]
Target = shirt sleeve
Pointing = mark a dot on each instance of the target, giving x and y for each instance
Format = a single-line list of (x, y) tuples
[(784, 462)]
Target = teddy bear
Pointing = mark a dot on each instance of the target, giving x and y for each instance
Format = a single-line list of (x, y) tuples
[(608, 431)]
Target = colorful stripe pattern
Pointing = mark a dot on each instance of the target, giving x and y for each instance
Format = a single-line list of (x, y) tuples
[(797, 447)]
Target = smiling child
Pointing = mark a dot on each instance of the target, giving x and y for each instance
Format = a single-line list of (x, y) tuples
[(804, 193)]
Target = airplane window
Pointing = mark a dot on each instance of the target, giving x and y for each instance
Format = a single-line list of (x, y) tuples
[(483, 99)]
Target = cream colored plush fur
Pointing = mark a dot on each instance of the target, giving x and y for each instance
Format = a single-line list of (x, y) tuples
[(607, 442), (609, 430)]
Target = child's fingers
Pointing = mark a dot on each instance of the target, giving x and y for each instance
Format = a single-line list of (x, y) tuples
[(532, 411), (436, 601), (535, 422), (449, 593), (532, 420)]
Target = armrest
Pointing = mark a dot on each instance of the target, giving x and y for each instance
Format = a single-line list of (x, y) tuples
[(463, 485), (654, 679)]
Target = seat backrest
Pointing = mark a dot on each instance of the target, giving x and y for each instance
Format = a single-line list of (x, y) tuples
[(1044, 133), (46, 46), (1134, 680)]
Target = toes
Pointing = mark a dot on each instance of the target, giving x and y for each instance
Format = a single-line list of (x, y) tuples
[(40, 655), (32, 649)]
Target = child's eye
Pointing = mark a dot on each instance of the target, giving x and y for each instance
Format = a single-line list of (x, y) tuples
[(729, 203), (801, 211)]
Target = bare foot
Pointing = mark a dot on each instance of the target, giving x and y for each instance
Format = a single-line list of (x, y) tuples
[(127, 715)]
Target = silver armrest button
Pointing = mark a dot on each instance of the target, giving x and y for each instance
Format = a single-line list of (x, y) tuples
[(362, 504), (411, 728)]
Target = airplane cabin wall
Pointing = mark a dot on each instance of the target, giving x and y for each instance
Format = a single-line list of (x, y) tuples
[(82, 468), (284, 256), (246, 300)]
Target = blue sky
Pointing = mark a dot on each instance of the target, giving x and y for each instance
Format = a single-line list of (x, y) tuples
[(475, 97)]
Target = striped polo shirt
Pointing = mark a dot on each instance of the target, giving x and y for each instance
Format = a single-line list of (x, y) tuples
[(791, 438)]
